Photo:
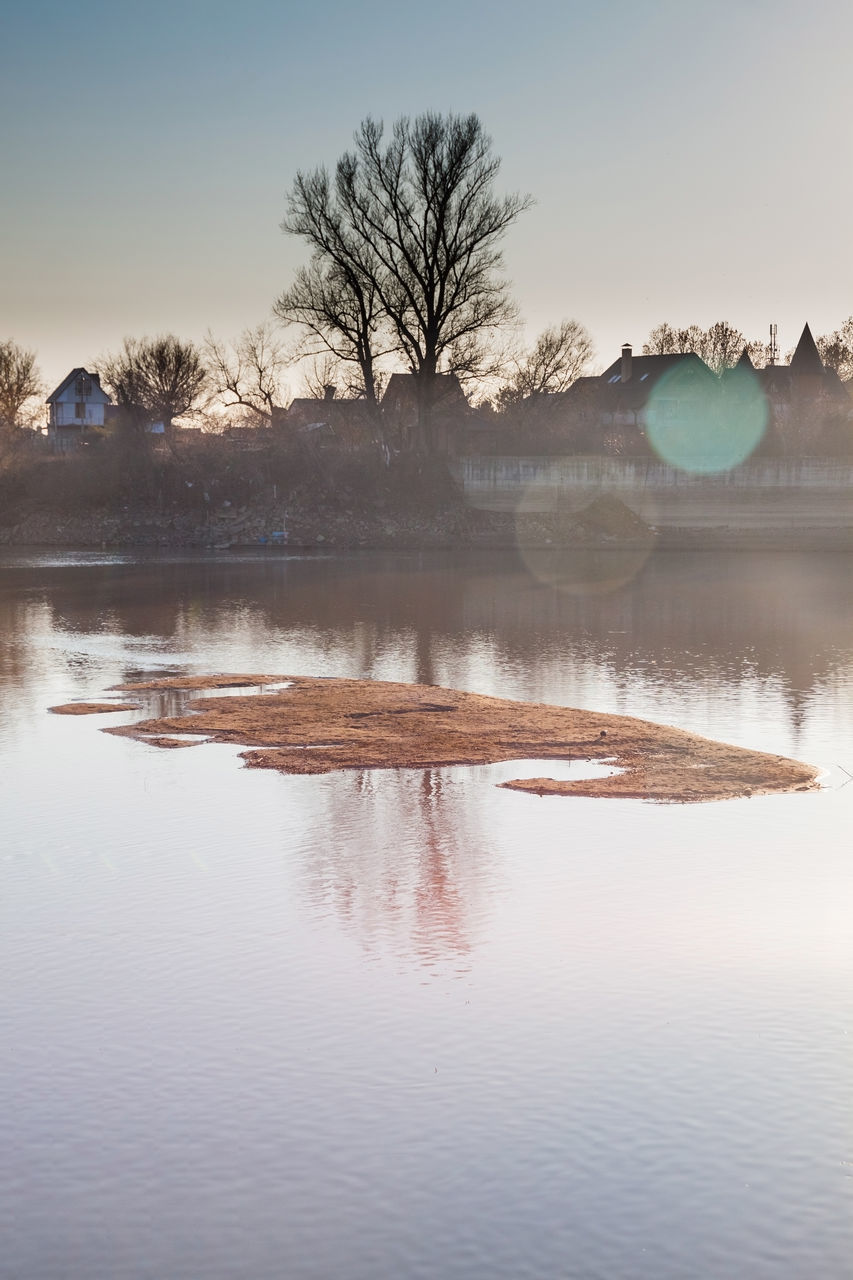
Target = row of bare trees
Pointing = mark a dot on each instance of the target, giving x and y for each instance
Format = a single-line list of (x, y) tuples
[(721, 346), (165, 378), (405, 272)]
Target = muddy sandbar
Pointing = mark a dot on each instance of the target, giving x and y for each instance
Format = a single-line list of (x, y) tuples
[(317, 725)]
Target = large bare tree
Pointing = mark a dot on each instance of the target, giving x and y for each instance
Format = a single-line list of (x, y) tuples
[(249, 374), (20, 383), (155, 379), (413, 225)]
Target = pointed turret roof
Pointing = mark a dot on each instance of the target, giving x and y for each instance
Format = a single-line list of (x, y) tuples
[(745, 362), (806, 359)]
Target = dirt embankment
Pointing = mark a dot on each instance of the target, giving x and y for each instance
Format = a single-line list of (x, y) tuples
[(317, 725)]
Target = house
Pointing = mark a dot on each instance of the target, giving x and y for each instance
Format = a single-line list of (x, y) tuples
[(808, 405), (636, 391), (614, 412), (449, 412), (78, 405), (655, 402), (321, 419), (396, 420)]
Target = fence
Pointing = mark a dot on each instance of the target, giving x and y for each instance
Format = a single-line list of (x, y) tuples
[(784, 493)]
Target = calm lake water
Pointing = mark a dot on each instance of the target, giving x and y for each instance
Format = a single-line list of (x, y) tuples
[(405, 1023)]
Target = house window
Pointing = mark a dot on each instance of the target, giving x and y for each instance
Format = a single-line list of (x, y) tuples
[(83, 387), (80, 410)]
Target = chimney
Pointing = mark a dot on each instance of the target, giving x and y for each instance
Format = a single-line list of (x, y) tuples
[(626, 362), (329, 392)]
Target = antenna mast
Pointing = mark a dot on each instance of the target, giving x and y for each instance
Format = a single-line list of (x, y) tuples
[(773, 349)]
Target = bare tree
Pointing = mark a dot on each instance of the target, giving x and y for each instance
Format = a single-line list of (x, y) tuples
[(323, 377), (836, 350), (155, 379), (415, 226), (20, 383), (249, 374), (720, 346), (664, 340), (335, 305), (759, 352), (560, 354)]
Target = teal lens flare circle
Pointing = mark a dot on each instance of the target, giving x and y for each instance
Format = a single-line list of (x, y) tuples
[(703, 425)]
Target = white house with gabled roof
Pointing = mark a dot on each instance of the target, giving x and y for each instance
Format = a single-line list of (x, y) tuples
[(78, 404)]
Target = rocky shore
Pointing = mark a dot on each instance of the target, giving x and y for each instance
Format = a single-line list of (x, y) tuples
[(321, 526), (605, 523)]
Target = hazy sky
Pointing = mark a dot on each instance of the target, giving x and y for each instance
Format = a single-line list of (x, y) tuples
[(690, 162)]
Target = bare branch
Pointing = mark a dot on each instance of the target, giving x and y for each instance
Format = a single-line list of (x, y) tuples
[(250, 373), (20, 384)]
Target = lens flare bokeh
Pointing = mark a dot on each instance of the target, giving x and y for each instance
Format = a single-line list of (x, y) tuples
[(584, 542), (703, 426)]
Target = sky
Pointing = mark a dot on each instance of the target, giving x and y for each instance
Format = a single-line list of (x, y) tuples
[(689, 162)]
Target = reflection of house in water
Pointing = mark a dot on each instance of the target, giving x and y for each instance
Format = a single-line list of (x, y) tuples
[(78, 405)]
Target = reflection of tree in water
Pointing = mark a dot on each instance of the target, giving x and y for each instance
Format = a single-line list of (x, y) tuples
[(440, 900), (404, 862), (22, 659), (476, 619), (402, 865)]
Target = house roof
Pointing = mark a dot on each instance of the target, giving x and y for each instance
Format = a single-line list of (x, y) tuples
[(740, 370), (646, 372), (806, 359), (308, 411), (402, 389), (76, 373), (583, 386), (648, 368), (780, 382)]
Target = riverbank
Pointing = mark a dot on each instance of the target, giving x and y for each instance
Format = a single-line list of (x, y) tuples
[(606, 522)]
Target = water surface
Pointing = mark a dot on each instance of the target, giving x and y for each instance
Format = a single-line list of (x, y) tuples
[(405, 1022)]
